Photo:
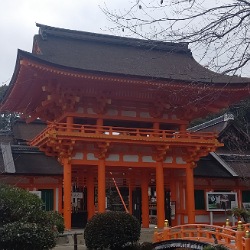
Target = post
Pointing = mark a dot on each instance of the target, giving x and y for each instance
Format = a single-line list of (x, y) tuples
[(90, 194), (239, 235), (101, 186), (166, 224), (145, 203), (211, 217), (227, 223), (160, 196), (155, 236), (173, 184), (67, 193), (99, 124), (131, 187), (247, 240), (69, 121), (75, 241), (190, 194)]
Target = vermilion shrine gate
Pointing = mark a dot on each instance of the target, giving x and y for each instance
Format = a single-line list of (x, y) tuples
[(119, 108)]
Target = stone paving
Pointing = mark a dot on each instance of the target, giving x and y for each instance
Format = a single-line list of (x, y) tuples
[(67, 241)]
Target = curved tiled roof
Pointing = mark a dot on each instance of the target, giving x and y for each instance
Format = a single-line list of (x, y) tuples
[(122, 55)]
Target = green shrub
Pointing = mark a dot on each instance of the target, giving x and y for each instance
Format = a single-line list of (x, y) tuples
[(23, 222), (19, 205), (28, 236), (240, 212), (111, 230), (215, 247), (56, 219), (147, 246)]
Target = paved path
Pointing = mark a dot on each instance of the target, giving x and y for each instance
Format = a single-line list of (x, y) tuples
[(67, 242)]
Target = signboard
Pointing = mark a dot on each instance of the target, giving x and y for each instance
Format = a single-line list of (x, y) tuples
[(172, 205), (38, 193), (221, 201), (77, 195)]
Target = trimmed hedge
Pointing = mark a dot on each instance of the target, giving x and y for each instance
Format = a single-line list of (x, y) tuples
[(23, 222), (28, 236), (112, 230)]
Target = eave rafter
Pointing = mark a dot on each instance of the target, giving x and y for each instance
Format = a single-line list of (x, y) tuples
[(159, 106), (194, 153), (102, 149), (161, 152), (58, 97)]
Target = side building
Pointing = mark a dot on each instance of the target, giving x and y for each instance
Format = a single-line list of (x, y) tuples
[(26, 167)]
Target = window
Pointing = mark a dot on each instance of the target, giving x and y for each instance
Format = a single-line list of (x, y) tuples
[(246, 196), (199, 198)]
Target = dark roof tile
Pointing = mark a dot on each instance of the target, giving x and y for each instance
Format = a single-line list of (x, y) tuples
[(210, 167), (239, 163), (122, 55), (36, 163), (26, 132)]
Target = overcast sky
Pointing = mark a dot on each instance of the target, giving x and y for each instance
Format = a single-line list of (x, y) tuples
[(18, 20)]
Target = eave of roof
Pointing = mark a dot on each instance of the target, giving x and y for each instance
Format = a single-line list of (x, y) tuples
[(32, 71), (134, 78)]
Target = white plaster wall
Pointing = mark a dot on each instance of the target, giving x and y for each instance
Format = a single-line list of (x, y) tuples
[(128, 113), (113, 157), (131, 158), (78, 156)]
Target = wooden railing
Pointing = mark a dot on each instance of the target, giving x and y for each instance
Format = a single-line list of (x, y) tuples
[(142, 134), (233, 238)]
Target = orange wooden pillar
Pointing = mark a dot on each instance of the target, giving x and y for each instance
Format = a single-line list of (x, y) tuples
[(145, 203), (67, 193), (160, 196), (101, 186), (190, 194), (60, 198), (90, 194), (173, 185), (130, 190)]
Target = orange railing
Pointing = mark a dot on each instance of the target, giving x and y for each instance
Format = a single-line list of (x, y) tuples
[(142, 134), (233, 238)]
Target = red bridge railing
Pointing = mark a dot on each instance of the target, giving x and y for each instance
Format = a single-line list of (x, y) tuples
[(233, 238)]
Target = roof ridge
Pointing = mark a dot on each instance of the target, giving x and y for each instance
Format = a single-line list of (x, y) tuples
[(45, 30), (223, 118)]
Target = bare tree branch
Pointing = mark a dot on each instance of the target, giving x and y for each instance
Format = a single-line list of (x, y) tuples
[(218, 28)]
